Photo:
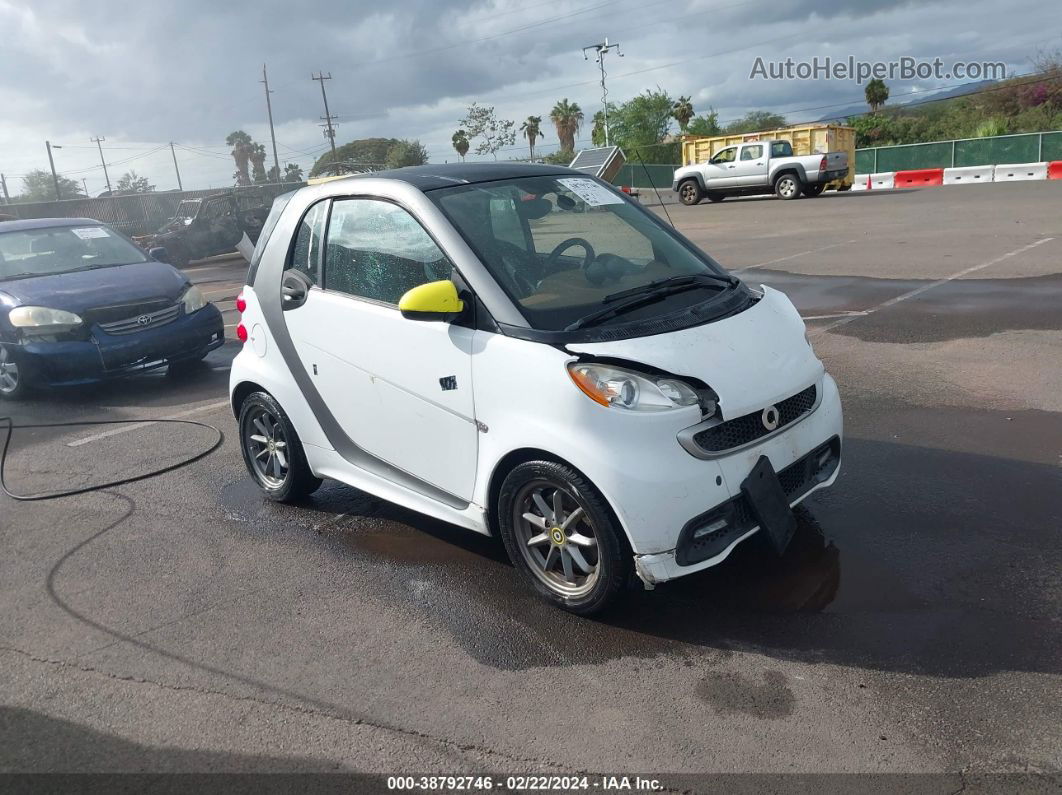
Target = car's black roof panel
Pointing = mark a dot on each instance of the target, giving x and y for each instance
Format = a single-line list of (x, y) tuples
[(44, 223), (447, 175)]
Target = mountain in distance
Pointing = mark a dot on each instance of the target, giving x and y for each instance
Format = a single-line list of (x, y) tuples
[(921, 96)]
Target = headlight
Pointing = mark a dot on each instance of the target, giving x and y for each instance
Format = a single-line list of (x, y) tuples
[(625, 389), (37, 320), (193, 299)]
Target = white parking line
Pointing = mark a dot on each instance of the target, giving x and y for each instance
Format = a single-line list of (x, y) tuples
[(794, 256), (117, 431), (931, 285)]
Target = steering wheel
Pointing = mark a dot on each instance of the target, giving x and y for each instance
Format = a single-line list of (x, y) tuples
[(563, 246)]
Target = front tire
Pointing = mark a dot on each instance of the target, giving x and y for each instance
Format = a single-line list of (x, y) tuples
[(560, 533), (272, 450), (690, 192), (788, 186), (13, 381)]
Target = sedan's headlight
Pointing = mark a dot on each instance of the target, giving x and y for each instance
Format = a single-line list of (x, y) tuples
[(193, 300), (38, 320), (619, 388)]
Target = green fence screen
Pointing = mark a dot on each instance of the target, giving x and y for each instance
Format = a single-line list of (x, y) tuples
[(1026, 148), (648, 176)]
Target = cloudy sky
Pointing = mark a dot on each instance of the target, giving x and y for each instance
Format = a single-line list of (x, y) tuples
[(143, 74)]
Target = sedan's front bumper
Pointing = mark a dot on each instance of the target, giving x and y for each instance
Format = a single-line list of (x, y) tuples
[(103, 356)]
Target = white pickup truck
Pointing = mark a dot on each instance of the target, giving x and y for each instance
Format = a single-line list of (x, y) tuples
[(756, 167)]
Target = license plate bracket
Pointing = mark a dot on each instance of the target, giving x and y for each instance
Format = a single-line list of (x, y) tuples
[(769, 504)]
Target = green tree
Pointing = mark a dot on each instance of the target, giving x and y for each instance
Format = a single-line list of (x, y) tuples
[(641, 122), (406, 153), (292, 172), (242, 146), (755, 121), (683, 111), (258, 156), (707, 124), (494, 133), (562, 157), (567, 117), (532, 130), (131, 182), (876, 92), (38, 186), (597, 132), (363, 154), (460, 142)]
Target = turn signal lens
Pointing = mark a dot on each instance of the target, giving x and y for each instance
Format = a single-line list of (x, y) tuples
[(241, 304), (620, 388), (241, 333)]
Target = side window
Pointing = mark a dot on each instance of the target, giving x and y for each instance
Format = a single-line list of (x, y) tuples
[(725, 155), (781, 149), (307, 254), (377, 250), (752, 152)]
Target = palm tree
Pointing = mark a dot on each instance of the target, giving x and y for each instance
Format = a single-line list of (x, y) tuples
[(460, 142), (683, 111), (532, 130), (241, 152), (876, 92), (257, 158), (597, 133), (567, 117)]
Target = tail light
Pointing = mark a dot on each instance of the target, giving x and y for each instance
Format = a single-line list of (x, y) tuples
[(241, 304), (822, 163), (241, 332)]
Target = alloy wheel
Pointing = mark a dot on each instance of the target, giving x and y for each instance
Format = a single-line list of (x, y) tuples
[(267, 445), (787, 187), (688, 193), (556, 538), (9, 375)]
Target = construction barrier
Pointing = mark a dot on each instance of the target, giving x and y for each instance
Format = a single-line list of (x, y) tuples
[(1054, 169), (1014, 172), (860, 181), (968, 175), (882, 181), (919, 178)]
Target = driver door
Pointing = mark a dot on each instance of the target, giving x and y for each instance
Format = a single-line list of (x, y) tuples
[(400, 389), (719, 171)]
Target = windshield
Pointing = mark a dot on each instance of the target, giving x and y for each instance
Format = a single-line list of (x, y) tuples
[(62, 249), (563, 247)]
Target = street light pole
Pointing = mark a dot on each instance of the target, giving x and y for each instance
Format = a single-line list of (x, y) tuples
[(601, 50), (99, 143), (51, 162)]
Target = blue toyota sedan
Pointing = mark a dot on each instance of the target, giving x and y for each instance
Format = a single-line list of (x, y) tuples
[(80, 303)]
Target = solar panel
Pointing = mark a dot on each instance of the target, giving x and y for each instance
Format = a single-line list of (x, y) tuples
[(604, 162)]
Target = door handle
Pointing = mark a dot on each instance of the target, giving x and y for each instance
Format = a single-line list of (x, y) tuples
[(731, 166)]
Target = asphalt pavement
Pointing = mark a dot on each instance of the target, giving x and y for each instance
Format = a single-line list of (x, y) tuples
[(186, 624)]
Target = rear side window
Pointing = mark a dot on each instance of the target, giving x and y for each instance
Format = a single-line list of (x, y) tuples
[(376, 250), (306, 257), (781, 149), (752, 152)]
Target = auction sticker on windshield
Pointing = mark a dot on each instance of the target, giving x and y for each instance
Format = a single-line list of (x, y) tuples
[(589, 191), (90, 232)]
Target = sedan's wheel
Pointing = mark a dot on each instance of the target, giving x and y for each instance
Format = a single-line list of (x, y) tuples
[(12, 379), (788, 187), (558, 530), (689, 192), (272, 451)]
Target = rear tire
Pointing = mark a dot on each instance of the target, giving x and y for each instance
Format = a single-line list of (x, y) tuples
[(542, 503), (690, 192), (788, 186), (272, 450), (814, 190)]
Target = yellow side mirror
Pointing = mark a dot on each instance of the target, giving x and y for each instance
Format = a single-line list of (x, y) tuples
[(431, 301)]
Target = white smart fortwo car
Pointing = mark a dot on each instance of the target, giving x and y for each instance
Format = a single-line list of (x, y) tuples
[(523, 350)]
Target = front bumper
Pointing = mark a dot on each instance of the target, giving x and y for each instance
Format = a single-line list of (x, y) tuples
[(104, 356)]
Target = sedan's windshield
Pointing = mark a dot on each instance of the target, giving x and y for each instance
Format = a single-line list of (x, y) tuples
[(563, 247), (62, 249)]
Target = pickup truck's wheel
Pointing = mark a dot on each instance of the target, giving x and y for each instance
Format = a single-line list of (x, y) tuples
[(559, 531), (716, 197), (788, 186), (814, 190), (690, 192)]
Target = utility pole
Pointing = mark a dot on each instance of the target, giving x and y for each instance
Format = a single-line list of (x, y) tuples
[(601, 50), (180, 187), (84, 184), (3, 184), (51, 162), (99, 143), (269, 110), (330, 132)]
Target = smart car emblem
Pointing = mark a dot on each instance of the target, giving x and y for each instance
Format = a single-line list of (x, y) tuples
[(143, 320), (770, 418)]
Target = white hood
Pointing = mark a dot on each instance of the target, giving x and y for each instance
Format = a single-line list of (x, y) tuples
[(751, 360)]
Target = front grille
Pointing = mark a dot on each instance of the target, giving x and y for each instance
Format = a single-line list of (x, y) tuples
[(797, 479), (119, 312), (748, 428), (143, 322)]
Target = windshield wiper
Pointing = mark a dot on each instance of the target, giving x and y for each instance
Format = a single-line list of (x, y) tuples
[(647, 293)]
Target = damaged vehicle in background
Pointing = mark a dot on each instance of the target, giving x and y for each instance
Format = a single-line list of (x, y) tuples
[(207, 227), (80, 303), (524, 350)]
